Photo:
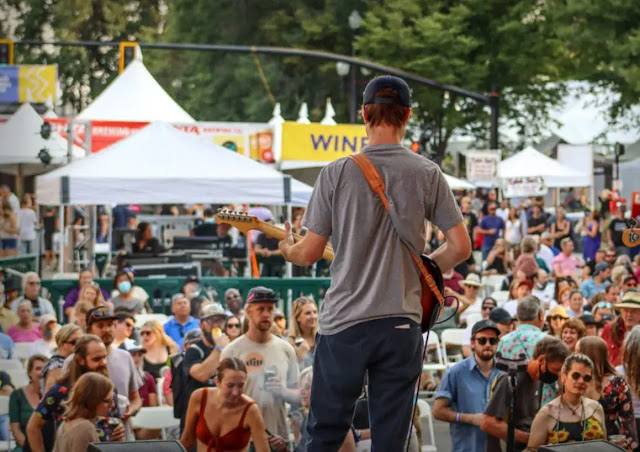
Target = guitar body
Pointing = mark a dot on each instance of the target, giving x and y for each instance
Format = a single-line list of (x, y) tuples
[(631, 237), (428, 300)]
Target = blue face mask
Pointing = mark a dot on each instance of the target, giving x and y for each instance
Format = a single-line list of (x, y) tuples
[(124, 287)]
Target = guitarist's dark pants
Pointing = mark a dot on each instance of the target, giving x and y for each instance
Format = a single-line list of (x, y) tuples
[(391, 351)]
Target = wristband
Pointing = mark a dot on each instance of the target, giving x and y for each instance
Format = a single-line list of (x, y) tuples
[(457, 418), (217, 347)]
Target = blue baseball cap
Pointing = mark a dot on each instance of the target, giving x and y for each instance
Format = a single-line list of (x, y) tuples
[(387, 81)]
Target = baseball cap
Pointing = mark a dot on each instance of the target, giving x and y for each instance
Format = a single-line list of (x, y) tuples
[(190, 279), (588, 319), (261, 294), (46, 318), (100, 313), (211, 310), (525, 282), (600, 267), (501, 316), (132, 346), (278, 314), (193, 336), (387, 81), (485, 324)]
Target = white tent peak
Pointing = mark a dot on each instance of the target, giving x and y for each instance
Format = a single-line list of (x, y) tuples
[(303, 114), (277, 116), (531, 163), (138, 55), (135, 96), (329, 113), (160, 164), (20, 142)]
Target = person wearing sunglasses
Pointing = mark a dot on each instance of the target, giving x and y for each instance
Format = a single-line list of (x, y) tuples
[(556, 319), (601, 309), (488, 304), (611, 390), (462, 396), (572, 416), (66, 339), (233, 328), (233, 303)]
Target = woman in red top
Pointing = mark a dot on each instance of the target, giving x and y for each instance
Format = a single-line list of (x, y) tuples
[(615, 332), (223, 419)]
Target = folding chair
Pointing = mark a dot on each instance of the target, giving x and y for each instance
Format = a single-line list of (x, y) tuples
[(426, 421), (501, 296), (434, 343), (19, 377), (452, 337), (22, 350), (155, 417)]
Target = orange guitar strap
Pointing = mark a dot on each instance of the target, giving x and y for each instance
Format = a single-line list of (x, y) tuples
[(377, 186)]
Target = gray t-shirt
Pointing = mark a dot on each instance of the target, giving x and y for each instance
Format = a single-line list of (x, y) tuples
[(279, 359), (373, 275), (134, 304), (528, 394)]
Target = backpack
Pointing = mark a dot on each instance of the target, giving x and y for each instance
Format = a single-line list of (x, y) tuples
[(180, 383)]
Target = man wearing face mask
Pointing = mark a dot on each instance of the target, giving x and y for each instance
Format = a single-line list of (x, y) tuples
[(45, 345), (543, 367)]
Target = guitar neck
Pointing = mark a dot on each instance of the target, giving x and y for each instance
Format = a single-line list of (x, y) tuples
[(278, 233)]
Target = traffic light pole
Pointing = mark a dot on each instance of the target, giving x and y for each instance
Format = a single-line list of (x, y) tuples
[(491, 100)]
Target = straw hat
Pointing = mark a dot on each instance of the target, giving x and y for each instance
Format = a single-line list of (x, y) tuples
[(631, 300), (472, 280), (558, 310)]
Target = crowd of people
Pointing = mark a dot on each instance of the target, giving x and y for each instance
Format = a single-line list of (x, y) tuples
[(561, 297)]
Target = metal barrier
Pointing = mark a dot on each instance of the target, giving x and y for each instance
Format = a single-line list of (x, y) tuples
[(160, 290)]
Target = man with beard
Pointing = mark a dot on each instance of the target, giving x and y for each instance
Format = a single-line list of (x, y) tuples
[(272, 365), (122, 370), (201, 359), (90, 356), (543, 367), (233, 300), (463, 393)]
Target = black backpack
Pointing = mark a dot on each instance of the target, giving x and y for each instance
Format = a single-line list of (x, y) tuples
[(180, 383)]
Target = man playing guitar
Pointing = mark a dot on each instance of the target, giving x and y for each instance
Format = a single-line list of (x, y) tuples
[(370, 317)]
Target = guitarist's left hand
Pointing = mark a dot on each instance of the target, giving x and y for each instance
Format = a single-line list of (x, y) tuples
[(288, 241)]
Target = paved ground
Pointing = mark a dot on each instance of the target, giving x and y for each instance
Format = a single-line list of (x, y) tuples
[(441, 433)]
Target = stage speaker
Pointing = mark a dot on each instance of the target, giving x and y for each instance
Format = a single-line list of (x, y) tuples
[(585, 446), (137, 446)]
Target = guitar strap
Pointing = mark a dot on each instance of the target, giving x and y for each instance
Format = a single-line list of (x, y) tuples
[(377, 186)]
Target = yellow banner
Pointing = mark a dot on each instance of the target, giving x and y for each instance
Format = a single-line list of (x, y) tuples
[(37, 83), (319, 143)]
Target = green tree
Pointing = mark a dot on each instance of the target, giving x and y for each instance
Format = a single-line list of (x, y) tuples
[(480, 45)]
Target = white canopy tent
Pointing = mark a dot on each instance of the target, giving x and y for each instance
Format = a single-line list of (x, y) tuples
[(20, 144), (161, 165), (134, 96), (531, 163), (458, 184)]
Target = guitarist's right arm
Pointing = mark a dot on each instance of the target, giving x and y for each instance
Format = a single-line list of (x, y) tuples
[(455, 249)]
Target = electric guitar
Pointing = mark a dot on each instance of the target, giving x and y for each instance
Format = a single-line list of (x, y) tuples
[(430, 301), (245, 223)]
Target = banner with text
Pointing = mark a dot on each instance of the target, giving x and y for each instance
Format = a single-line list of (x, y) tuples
[(482, 166), (516, 187), (320, 143), (34, 83)]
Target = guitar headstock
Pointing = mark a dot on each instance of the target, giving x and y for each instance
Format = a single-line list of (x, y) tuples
[(238, 219)]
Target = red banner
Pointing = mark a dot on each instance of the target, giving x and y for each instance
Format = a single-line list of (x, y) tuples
[(103, 133)]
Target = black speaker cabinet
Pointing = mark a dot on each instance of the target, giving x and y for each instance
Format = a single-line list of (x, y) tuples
[(137, 446), (586, 446)]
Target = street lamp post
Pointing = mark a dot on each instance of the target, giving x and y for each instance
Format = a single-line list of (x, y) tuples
[(355, 20)]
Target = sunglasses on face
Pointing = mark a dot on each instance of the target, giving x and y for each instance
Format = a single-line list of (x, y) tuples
[(233, 325), (489, 307), (604, 305), (556, 317), (483, 340), (145, 333), (575, 376), (73, 342)]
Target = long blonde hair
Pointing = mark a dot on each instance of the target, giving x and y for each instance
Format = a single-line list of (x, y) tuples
[(98, 300), (165, 341), (295, 330), (88, 392)]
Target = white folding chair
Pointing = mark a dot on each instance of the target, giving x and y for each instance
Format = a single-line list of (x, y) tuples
[(155, 417), (6, 364), (433, 342), (452, 337), (501, 296), (141, 319), (19, 377), (426, 421), (492, 283), (22, 350)]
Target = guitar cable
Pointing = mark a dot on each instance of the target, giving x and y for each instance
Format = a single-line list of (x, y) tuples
[(424, 353)]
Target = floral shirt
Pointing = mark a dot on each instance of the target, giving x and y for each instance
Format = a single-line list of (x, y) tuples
[(50, 409), (522, 341), (618, 409)]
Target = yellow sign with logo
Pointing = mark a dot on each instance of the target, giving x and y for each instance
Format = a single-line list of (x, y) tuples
[(37, 83), (320, 143)]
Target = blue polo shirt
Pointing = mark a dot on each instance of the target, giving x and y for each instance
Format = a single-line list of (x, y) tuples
[(467, 390), (176, 331), (589, 288)]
